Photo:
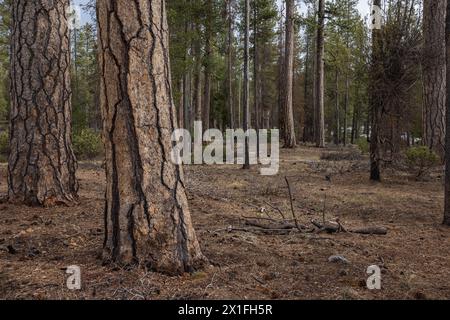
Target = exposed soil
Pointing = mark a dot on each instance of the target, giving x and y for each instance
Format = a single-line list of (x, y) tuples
[(37, 244)]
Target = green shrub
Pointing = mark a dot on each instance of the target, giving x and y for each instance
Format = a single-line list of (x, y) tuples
[(421, 159), (4, 143), (363, 145), (87, 144)]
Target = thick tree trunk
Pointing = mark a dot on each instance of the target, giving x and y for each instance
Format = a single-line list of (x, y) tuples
[(42, 164), (289, 129), (320, 87), (434, 78), (346, 107), (146, 214), (375, 105), (447, 138)]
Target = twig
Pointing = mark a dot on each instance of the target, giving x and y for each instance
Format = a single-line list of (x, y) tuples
[(276, 208)]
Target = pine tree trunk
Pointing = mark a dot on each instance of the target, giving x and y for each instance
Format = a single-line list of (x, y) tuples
[(434, 78), (197, 91), (289, 129), (208, 62), (246, 91), (375, 106), (230, 97), (146, 214), (337, 138), (320, 87), (42, 164), (447, 138)]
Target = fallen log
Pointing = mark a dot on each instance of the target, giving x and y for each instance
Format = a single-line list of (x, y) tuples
[(371, 230)]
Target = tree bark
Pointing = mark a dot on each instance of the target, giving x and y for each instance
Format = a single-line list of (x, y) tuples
[(434, 77), (447, 138), (147, 218), (320, 88), (289, 129), (42, 165)]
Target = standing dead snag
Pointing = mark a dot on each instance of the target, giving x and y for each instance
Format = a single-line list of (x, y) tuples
[(147, 218), (41, 166)]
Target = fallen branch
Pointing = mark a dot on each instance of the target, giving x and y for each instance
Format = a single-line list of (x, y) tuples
[(292, 204), (334, 227)]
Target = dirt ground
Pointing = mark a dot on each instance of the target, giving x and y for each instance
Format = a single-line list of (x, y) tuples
[(37, 244)]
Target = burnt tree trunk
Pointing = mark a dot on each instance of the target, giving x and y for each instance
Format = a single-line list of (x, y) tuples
[(434, 78), (246, 90), (147, 218), (41, 166), (289, 130)]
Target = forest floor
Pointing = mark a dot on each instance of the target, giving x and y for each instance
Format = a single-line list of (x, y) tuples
[(37, 244)]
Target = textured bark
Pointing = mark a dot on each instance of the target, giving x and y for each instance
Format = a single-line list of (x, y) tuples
[(447, 138), (42, 165), (289, 129), (147, 219), (434, 77), (375, 105), (320, 87)]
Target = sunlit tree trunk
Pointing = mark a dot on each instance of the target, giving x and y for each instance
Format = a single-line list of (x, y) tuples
[(146, 214), (42, 164)]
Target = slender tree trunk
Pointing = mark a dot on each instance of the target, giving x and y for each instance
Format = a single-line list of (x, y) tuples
[(320, 88), (447, 138), (230, 97), (337, 138), (289, 129), (375, 105), (281, 95), (208, 57), (181, 105), (146, 214), (41, 167), (434, 77), (197, 92), (346, 107), (246, 80)]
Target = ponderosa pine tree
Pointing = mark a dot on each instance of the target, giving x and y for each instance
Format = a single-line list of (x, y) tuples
[(447, 137), (146, 212), (41, 166), (434, 78)]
